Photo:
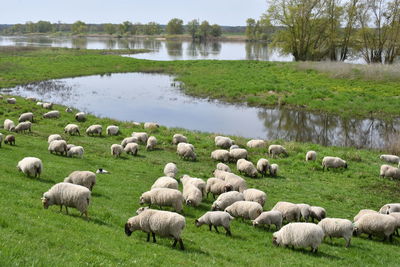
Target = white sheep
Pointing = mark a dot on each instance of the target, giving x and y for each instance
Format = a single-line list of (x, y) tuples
[(94, 129), (390, 158), (333, 162), (131, 148), (238, 183), (72, 129), (69, 146), (23, 127), (256, 143), (216, 218), (165, 182), (375, 224), (58, 146), (245, 209), (112, 130), (274, 169), (52, 114), (389, 208), (39, 103), (223, 167), (362, 213), (186, 151), (80, 116), (334, 227), (68, 195), (170, 170), (28, 116), (226, 199), (234, 147), (83, 178), (246, 167), (9, 125), (76, 151), (317, 213), (220, 155), (10, 139), (151, 125), (11, 100), (199, 183), (388, 171), (268, 218), (217, 186), (151, 143), (290, 212), (263, 166), (255, 195), (136, 124), (116, 150), (299, 235), (30, 166), (274, 150), (141, 136), (179, 138), (47, 105), (192, 195), (223, 141), (304, 211), (238, 153), (311, 155), (53, 137), (163, 197), (129, 140)]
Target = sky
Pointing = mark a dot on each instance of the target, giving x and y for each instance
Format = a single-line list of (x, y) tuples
[(222, 12)]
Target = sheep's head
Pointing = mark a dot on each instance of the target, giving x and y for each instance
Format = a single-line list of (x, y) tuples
[(345, 165), (275, 240), (228, 188), (214, 207), (189, 202), (45, 202), (142, 201), (197, 223), (255, 223), (140, 210), (128, 231), (356, 230)]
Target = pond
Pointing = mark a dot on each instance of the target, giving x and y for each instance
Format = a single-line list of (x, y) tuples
[(156, 97)]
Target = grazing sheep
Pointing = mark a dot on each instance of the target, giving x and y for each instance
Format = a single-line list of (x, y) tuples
[(274, 150), (112, 130), (388, 171), (131, 148), (11, 100), (136, 124), (220, 155), (246, 209), (52, 114), (263, 166), (311, 155), (10, 139), (223, 141), (80, 116), (1, 138), (163, 223), (304, 211), (116, 150), (186, 151), (217, 186), (299, 235), (179, 138), (290, 212), (363, 212), (151, 125), (192, 195), (226, 199), (53, 137), (23, 127), (216, 218), (163, 197), (317, 213), (170, 170), (69, 110), (39, 103), (256, 143), (28, 116), (223, 167), (246, 167), (141, 136), (255, 195), (9, 125), (72, 129), (47, 105), (237, 182), (334, 227), (274, 169), (30, 166), (389, 208), (238, 153), (94, 129), (76, 151), (165, 182), (83, 178), (129, 140), (151, 143), (68, 195), (268, 218), (69, 146), (333, 162), (390, 158), (199, 183), (375, 224), (58, 146)]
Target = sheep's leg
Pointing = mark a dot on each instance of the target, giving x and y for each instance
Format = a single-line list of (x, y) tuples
[(216, 229), (148, 237), (61, 208), (66, 208), (397, 231), (154, 237), (348, 242), (175, 241), (228, 231), (181, 244), (369, 236), (210, 227)]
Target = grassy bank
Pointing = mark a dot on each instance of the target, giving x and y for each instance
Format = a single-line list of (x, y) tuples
[(30, 235), (252, 82)]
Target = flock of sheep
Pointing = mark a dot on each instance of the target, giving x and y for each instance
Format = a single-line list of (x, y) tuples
[(234, 198)]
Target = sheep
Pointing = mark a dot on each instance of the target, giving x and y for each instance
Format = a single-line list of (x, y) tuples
[(334, 227), (129, 140), (226, 199), (83, 178), (39, 103), (238, 153), (52, 114), (246, 167), (389, 208), (290, 212), (262, 166), (170, 170), (72, 129), (333, 162), (80, 116), (47, 105), (318, 213), (223, 141), (94, 129), (75, 151), (165, 182), (116, 150), (220, 155), (9, 139), (151, 143), (1, 138), (28, 116), (9, 125), (68, 195), (274, 169), (362, 213), (69, 110), (237, 182), (163, 197), (58, 146), (390, 172), (136, 124), (179, 138), (31, 99), (11, 100), (299, 235), (375, 224), (53, 137), (255, 143), (390, 158), (112, 130), (216, 218), (186, 151), (30, 166), (216, 186), (192, 195), (255, 195), (311, 155), (141, 136), (151, 125), (23, 127), (268, 218), (162, 223), (131, 148), (304, 211), (1, 97), (245, 209), (223, 167), (274, 150), (199, 183), (234, 147)]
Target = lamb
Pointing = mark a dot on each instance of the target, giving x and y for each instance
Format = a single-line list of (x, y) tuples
[(179, 138), (274, 169), (9, 125), (290, 212), (333, 162), (199, 183), (192, 195), (186, 151), (9, 139), (263, 166), (246, 167), (170, 170), (390, 158), (274, 150), (53, 137), (116, 150), (141, 136), (151, 143), (58, 146), (163, 197), (226, 199), (52, 114), (318, 213), (238, 153), (268, 218), (72, 129), (255, 195), (165, 182), (30, 166), (83, 178), (389, 208), (255, 143), (129, 140), (23, 127), (237, 182), (390, 172), (304, 211), (223, 167), (216, 186), (311, 155), (28, 116), (94, 129), (220, 155), (223, 141), (11, 100), (131, 148), (216, 218), (151, 125), (112, 130), (47, 105), (80, 116), (245, 209), (68, 195), (75, 151), (162, 223), (375, 224), (362, 213), (299, 235), (334, 227)]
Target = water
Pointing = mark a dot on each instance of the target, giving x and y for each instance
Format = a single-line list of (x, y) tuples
[(152, 97)]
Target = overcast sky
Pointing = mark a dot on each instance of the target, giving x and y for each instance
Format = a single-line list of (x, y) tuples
[(223, 12)]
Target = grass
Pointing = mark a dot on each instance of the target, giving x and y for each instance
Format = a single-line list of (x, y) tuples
[(252, 82), (30, 235)]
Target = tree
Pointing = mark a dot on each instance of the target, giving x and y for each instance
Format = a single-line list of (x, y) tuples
[(216, 30), (44, 26), (193, 28), (79, 27), (204, 30), (350, 16), (175, 26), (109, 28), (250, 29), (125, 27), (152, 28)]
